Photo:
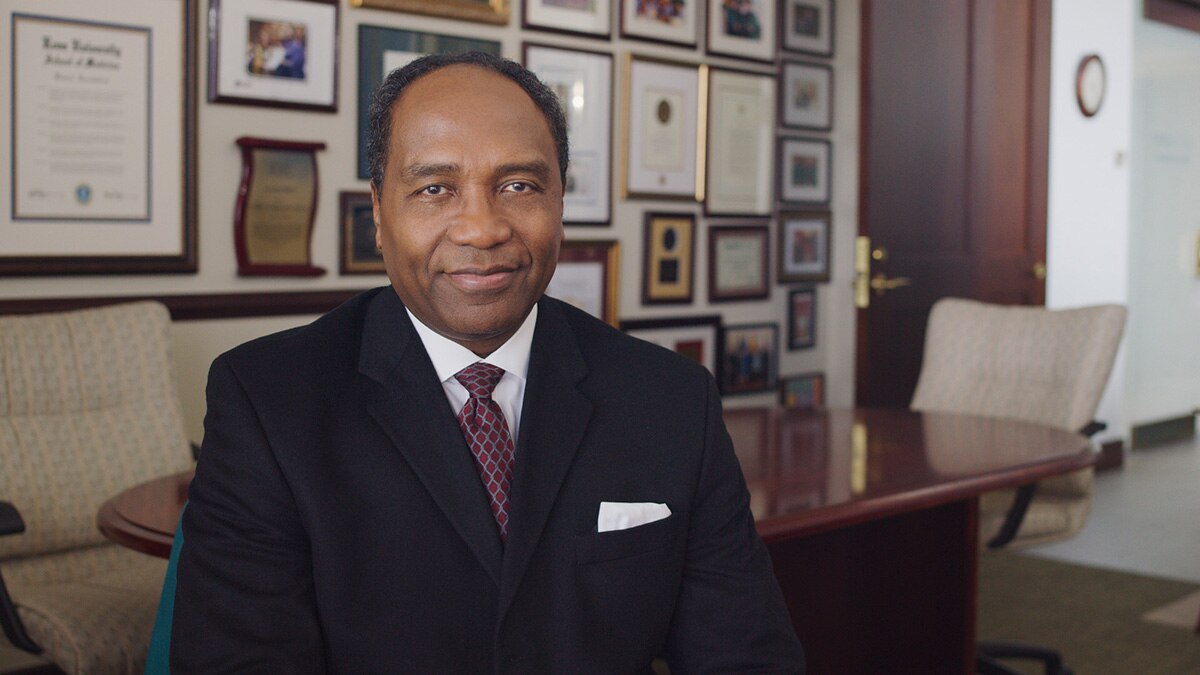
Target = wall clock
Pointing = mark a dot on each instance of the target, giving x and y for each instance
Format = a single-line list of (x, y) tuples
[(1090, 82)]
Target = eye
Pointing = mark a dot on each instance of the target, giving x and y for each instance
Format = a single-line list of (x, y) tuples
[(433, 190), (519, 187)]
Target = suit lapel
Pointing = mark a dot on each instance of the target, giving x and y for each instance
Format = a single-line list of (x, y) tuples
[(555, 415), (406, 399)]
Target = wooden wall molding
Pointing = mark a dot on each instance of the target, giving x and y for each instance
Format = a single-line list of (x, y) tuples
[(194, 307), (1179, 13)]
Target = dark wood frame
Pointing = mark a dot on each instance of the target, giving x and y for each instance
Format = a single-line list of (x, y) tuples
[(783, 31), (214, 62), (185, 261), (612, 83), (783, 88), (608, 253), (782, 275), (767, 31), (727, 387), (247, 267), (709, 321), (780, 172), (687, 258), (712, 130), (525, 24), (348, 202), (794, 341), (495, 12), (698, 5), (818, 380), (715, 233), (1179, 13)]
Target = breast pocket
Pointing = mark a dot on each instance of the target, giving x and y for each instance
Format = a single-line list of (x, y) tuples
[(617, 544)]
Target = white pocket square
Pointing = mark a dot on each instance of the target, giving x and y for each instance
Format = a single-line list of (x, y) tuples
[(624, 515)]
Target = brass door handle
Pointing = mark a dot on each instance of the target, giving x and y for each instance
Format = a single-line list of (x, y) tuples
[(881, 284)]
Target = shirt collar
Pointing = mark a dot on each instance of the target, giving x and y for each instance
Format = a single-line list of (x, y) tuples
[(449, 357)]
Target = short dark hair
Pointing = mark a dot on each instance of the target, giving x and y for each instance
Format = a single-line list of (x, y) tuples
[(379, 129)]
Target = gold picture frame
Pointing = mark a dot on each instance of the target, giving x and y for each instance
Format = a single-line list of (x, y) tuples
[(480, 11)]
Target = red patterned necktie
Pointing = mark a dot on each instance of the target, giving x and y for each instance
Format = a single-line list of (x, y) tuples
[(486, 432)]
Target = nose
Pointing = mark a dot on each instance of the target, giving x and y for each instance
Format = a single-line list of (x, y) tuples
[(480, 224)]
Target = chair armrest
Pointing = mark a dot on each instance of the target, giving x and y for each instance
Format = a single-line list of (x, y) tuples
[(10, 520), (1092, 428), (1016, 514)]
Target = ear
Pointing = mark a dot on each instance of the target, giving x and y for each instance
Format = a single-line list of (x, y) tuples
[(375, 216)]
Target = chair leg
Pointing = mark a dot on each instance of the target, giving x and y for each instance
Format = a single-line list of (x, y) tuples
[(990, 651)]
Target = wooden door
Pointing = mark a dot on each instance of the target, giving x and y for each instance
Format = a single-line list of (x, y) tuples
[(953, 170)]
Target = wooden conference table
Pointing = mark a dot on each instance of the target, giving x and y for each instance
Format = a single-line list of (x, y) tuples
[(870, 517)]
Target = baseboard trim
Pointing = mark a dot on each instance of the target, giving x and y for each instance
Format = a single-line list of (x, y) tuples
[(1165, 431)]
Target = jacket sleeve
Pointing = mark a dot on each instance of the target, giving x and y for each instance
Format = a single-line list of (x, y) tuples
[(244, 599), (730, 616)]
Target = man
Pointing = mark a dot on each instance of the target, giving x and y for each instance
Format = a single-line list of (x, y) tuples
[(367, 502)]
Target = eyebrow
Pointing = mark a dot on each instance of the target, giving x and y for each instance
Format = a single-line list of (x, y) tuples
[(539, 170)]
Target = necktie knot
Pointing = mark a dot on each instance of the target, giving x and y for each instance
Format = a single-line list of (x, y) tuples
[(479, 379)]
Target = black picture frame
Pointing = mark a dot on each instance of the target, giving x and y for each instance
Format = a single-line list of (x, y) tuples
[(750, 359), (802, 318)]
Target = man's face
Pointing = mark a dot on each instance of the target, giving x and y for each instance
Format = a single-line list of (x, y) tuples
[(469, 212)]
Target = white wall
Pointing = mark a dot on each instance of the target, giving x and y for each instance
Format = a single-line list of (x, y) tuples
[(1088, 221)]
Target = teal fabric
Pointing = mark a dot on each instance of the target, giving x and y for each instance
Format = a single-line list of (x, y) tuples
[(158, 661)]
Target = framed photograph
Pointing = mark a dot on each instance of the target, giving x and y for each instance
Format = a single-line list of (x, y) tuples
[(751, 357), (483, 11), (660, 140), (277, 53), (737, 263), (696, 337), (802, 392), (359, 255), (100, 146), (802, 319), (583, 82), (803, 246), (741, 135), (807, 27), (804, 171), (587, 277), (381, 50), (666, 21), (668, 255), (742, 28), (806, 96), (590, 18)]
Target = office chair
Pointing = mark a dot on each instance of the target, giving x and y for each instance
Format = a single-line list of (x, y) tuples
[(1031, 364), (87, 408)]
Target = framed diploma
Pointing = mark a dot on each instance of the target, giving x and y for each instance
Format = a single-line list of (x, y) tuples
[(278, 53), (359, 254), (751, 358), (696, 337), (669, 251), (100, 150), (583, 82), (381, 50), (737, 263), (587, 277), (741, 138), (589, 18), (804, 171), (742, 28), (666, 21), (275, 206), (663, 146), (484, 11), (803, 246)]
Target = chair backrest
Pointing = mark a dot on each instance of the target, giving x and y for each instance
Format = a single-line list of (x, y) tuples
[(1025, 363), (87, 408)]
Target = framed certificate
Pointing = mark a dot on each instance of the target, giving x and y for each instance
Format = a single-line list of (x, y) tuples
[(741, 138), (662, 142), (737, 263), (587, 277), (583, 82), (100, 151), (590, 18)]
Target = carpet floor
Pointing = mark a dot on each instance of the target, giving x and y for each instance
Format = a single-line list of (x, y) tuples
[(1092, 616)]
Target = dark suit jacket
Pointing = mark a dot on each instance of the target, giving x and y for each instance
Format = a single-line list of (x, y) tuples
[(337, 522)]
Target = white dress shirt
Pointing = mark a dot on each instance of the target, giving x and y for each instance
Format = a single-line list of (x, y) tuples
[(449, 357)]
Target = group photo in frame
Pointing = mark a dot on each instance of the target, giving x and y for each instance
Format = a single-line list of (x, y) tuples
[(806, 96), (588, 276), (741, 139), (669, 252), (750, 358), (276, 53), (802, 392), (804, 171), (804, 243), (133, 211), (737, 263), (743, 29), (802, 319), (661, 117), (589, 18), (696, 337), (807, 27), (359, 255), (666, 21), (382, 50), (582, 80), (481, 11)]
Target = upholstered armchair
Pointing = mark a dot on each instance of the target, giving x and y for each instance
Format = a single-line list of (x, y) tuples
[(87, 408)]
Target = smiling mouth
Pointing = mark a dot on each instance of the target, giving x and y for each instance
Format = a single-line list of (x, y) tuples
[(477, 279)]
